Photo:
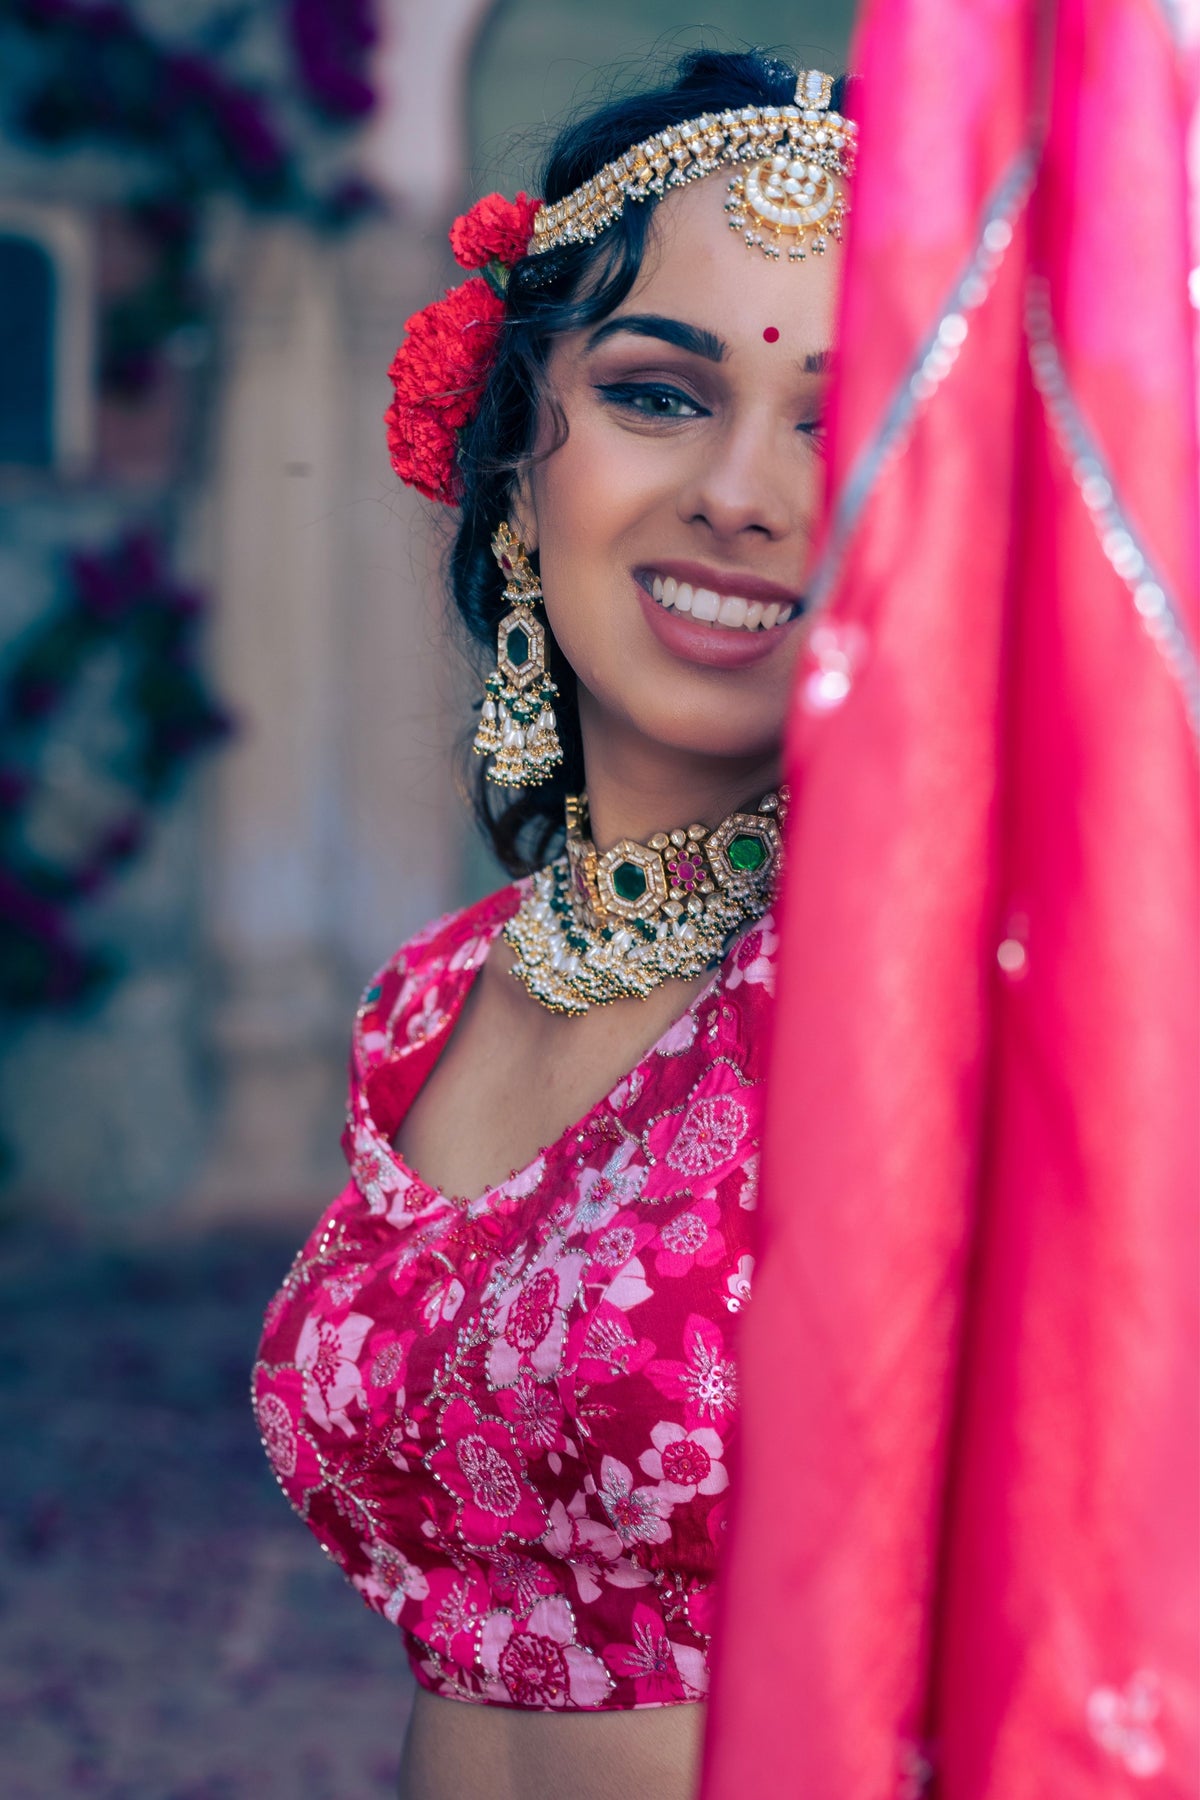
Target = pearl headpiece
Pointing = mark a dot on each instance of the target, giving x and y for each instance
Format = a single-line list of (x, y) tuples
[(785, 194)]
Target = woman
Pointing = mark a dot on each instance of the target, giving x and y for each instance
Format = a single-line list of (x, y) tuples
[(505, 1402)]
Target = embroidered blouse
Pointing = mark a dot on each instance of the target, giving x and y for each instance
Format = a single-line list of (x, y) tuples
[(509, 1420)]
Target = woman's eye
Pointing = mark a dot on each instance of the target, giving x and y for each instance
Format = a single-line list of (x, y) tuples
[(813, 429), (651, 400)]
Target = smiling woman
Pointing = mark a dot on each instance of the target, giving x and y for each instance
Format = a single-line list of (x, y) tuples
[(499, 1383), (684, 492)]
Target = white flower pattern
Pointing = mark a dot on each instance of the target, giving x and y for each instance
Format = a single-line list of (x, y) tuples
[(685, 1463), (711, 1131)]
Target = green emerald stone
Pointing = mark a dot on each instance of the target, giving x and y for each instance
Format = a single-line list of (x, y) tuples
[(629, 881), (518, 647), (746, 853)]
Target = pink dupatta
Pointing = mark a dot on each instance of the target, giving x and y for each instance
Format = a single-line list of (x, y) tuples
[(963, 1548)]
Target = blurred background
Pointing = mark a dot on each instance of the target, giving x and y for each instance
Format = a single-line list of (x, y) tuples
[(230, 714)]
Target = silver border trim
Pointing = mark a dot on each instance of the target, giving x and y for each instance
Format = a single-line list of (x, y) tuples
[(1123, 548)]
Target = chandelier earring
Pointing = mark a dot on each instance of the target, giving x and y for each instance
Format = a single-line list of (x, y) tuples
[(517, 726)]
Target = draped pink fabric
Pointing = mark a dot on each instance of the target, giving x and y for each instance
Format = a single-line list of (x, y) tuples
[(963, 1547)]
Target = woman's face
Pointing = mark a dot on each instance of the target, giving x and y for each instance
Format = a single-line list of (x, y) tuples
[(691, 471)]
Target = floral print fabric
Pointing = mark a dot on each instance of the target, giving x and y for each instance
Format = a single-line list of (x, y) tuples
[(510, 1421)]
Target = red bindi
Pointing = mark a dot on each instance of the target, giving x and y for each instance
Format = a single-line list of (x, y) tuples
[(771, 334)]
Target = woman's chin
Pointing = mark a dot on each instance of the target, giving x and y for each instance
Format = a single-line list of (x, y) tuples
[(683, 730)]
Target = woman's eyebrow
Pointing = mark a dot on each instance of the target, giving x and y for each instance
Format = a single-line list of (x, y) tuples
[(693, 338), (671, 331)]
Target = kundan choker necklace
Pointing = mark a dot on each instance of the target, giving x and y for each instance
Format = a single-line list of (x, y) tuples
[(594, 928)]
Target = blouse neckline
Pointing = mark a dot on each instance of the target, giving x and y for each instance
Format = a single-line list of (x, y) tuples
[(522, 1180)]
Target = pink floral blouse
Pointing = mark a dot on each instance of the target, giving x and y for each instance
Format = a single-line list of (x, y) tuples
[(509, 1421)]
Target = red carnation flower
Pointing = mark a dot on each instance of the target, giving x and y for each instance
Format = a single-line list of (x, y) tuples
[(438, 376), (495, 230), (422, 450)]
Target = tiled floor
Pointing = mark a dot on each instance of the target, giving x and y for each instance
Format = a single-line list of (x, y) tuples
[(168, 1629)]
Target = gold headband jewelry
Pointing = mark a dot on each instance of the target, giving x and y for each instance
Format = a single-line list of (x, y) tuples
[(786, 191)]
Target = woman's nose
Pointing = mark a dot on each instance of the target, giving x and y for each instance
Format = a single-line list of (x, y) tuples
[(745, 481)]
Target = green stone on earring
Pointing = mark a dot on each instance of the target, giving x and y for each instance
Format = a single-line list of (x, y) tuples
[(517, 647)]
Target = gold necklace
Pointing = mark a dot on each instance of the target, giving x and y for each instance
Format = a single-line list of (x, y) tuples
[(593, 929)]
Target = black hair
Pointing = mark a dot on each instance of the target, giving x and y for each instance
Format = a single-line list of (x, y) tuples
[(561, 291)]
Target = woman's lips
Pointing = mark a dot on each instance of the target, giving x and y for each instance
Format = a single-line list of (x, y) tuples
[(723, 597), (712, 645)]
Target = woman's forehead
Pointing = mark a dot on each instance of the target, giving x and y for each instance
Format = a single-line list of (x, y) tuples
[(695, 267)]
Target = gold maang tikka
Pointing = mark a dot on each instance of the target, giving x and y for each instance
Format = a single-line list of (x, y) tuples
[(789, 165), (517, 726), (792, 198)]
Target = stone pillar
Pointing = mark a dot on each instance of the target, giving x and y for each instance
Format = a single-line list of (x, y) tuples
[(402, 669), (336, 829), (278, 1008), (416, 143)]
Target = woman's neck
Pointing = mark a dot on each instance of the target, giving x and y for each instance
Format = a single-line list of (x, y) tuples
[(636, 788)]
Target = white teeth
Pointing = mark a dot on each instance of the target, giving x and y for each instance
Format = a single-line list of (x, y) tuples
[(729, 610)]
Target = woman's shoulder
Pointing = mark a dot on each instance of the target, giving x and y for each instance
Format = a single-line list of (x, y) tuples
[(481, 920), (419, 978)]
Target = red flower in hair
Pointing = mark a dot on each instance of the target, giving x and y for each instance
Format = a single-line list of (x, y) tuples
[(422, 449), (438, 376), (441, 368), (495, 230)]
